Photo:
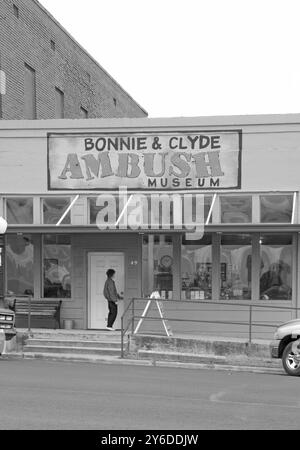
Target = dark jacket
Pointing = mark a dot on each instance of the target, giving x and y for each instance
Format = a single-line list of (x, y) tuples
[(110, 291)]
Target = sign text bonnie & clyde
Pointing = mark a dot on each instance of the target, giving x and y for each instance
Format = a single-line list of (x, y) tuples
[(196, 160)]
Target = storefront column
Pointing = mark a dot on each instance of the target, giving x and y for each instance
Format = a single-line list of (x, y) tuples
[(177, 266), (38, 265), (1, 207), (297, 268), (150, 261), (140, 266), (216, 266), (37, 211), (2, 269), (294, 274), (255, 267), (255, 209)]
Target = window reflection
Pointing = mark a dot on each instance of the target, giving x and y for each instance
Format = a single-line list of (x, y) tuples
[(53, 210), (57, 266), (236, 255), (276, 267), (19, 210), (158, 265), (236, 209), (276, 208), (196, 269), (110, 210)]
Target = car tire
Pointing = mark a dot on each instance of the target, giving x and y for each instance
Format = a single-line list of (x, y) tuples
[(290, 364)]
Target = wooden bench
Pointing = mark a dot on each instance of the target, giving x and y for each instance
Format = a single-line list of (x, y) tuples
[(42, 309)]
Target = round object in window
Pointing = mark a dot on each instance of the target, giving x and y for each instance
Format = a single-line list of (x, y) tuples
[(166, 261)]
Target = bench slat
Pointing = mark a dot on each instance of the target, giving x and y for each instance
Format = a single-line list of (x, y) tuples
[(38, 308)]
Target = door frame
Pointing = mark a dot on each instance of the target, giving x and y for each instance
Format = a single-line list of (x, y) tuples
[(103, 251)]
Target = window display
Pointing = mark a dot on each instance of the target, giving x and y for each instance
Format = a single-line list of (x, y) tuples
[(57, 266), (19, 264), (236, 259), (276, 267), (158, 265), (236, 209), (196, 269), (276, 208), (19, 210), (112, 211), (53, 210)]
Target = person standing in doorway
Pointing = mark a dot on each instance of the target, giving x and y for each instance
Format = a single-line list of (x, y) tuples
[(112, 296)]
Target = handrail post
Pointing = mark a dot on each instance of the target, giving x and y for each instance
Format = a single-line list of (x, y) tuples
[(250, 324), (29, 313), (122, 338), (132, 317)]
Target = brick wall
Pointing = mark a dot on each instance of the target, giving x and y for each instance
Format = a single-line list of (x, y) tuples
[(27, 39)]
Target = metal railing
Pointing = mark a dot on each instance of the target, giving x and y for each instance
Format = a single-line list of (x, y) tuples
[(250, 323)]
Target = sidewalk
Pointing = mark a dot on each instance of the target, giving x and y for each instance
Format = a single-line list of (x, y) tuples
[(178, 351)]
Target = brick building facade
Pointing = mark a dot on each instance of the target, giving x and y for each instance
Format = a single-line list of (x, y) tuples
[(48, 74)]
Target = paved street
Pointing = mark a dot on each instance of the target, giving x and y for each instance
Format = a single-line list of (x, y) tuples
[(51, 395)]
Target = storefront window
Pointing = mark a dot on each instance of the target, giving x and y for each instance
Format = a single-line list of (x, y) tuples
[(57, 266), (19, 264), (236, 209), (276, 208), (94, 209), (157, 211), (158, 265), (207, 205), (276, 267), (236, 255), (109, 215), (53, 210), (196, 269), (19, 210)]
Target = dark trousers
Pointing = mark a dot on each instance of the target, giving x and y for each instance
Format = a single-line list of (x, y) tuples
[(113, 311)]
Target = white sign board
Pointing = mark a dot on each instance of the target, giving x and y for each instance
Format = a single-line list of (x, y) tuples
[(145, 161)]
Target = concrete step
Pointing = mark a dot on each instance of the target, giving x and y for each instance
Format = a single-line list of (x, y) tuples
[(74, 343), (79, 335), (211, 359), (71, 350)]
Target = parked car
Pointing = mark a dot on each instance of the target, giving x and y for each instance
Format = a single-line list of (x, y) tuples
[(286, 345), (7, 325)]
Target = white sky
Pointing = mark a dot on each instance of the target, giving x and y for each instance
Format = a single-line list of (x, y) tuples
[(194, 57)]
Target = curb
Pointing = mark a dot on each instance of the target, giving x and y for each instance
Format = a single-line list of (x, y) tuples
[(149, 363), (222, 367)]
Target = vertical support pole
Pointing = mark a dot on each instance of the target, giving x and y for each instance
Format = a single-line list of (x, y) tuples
[(296, 285), (29, 313), (177, 239), (2, 272), (295, 276), (255, 268), (140, 268), (122, 337), (216, 266), (132, 317), (2, 88), (250, 324), (38, 280)]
